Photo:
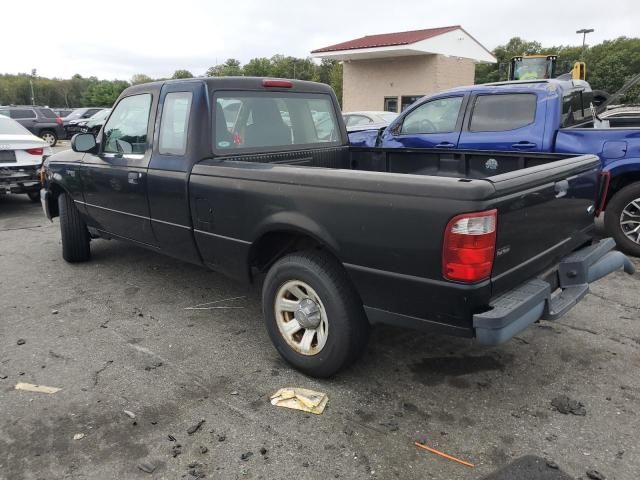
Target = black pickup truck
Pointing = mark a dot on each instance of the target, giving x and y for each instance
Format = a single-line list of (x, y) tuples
[(255, 178)]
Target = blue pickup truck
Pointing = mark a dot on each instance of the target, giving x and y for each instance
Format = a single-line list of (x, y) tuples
[(552, 116)]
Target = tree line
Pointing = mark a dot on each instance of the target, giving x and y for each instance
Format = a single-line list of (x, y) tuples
[(609, 65)]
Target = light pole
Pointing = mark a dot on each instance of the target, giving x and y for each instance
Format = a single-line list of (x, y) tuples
[(33, 97), (584, 32)]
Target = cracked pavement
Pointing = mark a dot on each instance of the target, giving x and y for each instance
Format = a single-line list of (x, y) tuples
[(122, 340)]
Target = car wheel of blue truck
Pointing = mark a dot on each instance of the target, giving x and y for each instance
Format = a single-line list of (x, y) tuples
[(75, 236), (313, 313), (622, 219)]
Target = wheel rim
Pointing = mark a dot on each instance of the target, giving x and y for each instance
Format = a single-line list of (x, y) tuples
[(301, 317), (630, 220), (49, 138)]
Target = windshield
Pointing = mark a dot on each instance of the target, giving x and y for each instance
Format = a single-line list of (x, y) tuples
[(532, 69), (101, 115), (11, 127)]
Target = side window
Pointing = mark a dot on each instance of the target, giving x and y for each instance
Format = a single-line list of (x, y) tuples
[(174, 123), (498, 113), (437, 116), (574, 109), (126, 130), (22, 114), (251, 120)]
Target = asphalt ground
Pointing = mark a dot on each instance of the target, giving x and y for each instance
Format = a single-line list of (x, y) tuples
[(113, 334)]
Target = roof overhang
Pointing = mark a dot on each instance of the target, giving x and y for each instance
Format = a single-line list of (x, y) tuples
[(456, 43)]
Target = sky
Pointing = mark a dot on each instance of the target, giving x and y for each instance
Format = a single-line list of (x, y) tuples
[(119, 38)]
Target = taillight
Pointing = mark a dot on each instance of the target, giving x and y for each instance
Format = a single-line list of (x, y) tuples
[(277, 83), (59, 120), (469, 246), (35, 151)]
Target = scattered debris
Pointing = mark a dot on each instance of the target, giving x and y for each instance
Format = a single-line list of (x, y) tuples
[(21, 341), (176, 450), (443, 455), (300, 399), (171, 438), (221, 438), (148, 467), (194, 428), (54, 312), (263, 451), (246, 455), (620, 454), (305, 464), (153, 366), (595, 475), (565, 405), (97, 373), (235, 392), (78, 436), (30, 387), (203, 449), (204, 306), (3, 377), (129, 414), (553, 465)]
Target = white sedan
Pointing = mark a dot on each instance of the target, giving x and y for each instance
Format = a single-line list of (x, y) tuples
[(21, 156)]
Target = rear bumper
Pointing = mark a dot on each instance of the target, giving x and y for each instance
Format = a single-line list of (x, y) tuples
[(515, 310), (19, 179)]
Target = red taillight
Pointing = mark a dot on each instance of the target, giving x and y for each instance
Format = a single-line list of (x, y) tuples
[(469, 246), (59, 120), (35, 151), (277, 83)]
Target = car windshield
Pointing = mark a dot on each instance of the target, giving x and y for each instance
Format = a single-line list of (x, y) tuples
[(11, 127), (101, 115), (75, 114)]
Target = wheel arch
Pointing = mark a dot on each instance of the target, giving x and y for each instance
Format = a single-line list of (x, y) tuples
[(623, 173)]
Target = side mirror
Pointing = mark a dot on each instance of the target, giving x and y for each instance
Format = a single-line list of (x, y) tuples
[(83, 142)]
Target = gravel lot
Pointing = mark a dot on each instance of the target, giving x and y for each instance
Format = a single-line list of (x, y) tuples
[(114, 335)]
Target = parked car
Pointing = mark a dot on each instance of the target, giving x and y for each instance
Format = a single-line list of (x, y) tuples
[(21, 155), (62, 112), (339, 237), (94, 123), (367, 119), (71, 121), (40, 121), (531, 116), (621, 116)]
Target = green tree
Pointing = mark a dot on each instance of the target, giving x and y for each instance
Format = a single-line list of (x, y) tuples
[(140, 78), (230, 68), (182, 74), (258, 67), (103, 93)]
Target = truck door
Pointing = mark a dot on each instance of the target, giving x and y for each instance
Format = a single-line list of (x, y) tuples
[(435, 123), (115, 179), (504, 121), (181, 139)]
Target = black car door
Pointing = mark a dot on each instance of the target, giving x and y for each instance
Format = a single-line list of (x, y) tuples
[(115, 179)]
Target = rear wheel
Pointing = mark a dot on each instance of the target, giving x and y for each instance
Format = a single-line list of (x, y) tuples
[(34, 196), (622, 219), (50, 137), (313, 314), (75, 236)]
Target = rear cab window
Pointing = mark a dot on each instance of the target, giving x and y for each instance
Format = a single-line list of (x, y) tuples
[(174, 123), (258, 121), (502, 112), (576, 108)]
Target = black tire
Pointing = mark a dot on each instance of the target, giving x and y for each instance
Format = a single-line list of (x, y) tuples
[(348, 328), (34, 196), (75, 236), (50, 137), (616, 205)]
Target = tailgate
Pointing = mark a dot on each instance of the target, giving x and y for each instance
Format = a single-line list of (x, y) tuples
[(544, 213)]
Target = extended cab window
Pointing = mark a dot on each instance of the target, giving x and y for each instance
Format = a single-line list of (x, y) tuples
[(126, 130), (175, 123), (256, 120), (576, 108), (437, 116), (498, 113)]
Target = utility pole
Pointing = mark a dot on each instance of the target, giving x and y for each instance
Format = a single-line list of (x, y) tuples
[(33, 96), (584, 32)]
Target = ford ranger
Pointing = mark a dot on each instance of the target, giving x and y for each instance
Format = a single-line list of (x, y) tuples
[(255, 178)]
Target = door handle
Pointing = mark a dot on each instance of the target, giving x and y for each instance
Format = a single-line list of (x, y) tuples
[(444, 145), (524, 144), (561, 188), (134, 177)]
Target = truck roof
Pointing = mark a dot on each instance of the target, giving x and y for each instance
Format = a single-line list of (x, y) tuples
[(553, 84)]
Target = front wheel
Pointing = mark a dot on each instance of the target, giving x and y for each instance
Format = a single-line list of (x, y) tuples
[(75, 236), (313, 314), (622, 219)]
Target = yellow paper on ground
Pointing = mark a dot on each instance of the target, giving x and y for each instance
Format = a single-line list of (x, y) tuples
[(30, 387), (300, 399)]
